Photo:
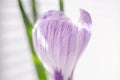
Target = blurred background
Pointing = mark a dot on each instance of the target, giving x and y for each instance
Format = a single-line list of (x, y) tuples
[(101, 59)]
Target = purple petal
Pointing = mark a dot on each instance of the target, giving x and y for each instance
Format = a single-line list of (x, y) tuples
[(58, 75), (52, 14), (85, 18), (59, 43), (84, 37)]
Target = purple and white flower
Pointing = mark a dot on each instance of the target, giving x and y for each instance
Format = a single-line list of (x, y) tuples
[(59, 43)]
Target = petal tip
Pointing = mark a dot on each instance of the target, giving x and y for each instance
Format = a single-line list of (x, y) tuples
[(53, 14), (85, 17)]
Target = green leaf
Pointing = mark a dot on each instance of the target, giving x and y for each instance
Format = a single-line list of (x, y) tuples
[(34, 9), (39, 67), (28, 25), (24, 15)]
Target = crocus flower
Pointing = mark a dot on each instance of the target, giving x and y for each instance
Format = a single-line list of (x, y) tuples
[(59, 42)]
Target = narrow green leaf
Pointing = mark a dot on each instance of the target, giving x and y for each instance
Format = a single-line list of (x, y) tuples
[(61, 5), (28, 25), (34, 9), (24, 15)]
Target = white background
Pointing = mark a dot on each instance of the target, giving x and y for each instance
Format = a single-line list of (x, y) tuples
[(101, 59)]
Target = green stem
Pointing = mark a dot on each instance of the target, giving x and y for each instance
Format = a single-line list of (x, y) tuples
[(61, 5)]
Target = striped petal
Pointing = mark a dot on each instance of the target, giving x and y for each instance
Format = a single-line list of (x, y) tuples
[(59, 43)]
